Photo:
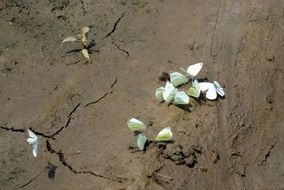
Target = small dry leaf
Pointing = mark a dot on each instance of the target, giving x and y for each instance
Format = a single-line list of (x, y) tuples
[(86, 54), (69, 39)]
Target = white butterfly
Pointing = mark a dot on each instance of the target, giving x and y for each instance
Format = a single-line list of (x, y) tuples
[(194, 90), (141, 141), (193, 70), (178, 78), (181, 98), (165, 135), (169, 92), (136, 125), (212, 89), (159, 93), (33, 140)]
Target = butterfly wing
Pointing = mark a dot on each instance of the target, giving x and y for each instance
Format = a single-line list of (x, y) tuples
[(219, 89), (178, 79), (204, 86), (32, 134), (194, 90), (165, 135), (31, 140), (193, 70), (181, 98), (211, 94), (169, 93), (35, 149), (141, 140), (159, 93), (135, 125)]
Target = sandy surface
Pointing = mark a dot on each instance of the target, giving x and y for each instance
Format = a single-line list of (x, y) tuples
[(233, 143)]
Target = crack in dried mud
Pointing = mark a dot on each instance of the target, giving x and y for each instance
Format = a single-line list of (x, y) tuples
[(119, 48), (52, 136), (114, 83), (76, 107), (68, 121), (103, 96), (34, 178), (115, 25), (66, 164), (23, 131), (12, 129)]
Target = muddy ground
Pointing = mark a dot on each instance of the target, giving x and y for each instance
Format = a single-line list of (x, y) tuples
[(233, 143)]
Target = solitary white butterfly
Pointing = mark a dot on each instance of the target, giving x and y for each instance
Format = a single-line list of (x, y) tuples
[(212, 89), (178, 79), (165, 135), (169, 92), (135, 125), (181, 98), (194, 90), (33, 140)]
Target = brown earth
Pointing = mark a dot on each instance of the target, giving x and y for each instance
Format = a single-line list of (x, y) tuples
[(232, 143)]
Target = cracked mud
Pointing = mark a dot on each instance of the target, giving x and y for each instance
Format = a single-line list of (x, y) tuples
[(233, 143)]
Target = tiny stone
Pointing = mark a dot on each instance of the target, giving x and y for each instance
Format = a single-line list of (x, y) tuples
[(269, 99)]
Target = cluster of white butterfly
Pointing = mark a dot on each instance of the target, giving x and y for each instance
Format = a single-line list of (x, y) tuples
[(138, 126), (171, 94)]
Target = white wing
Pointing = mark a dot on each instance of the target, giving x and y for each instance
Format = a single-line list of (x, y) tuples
[(178, 78), (35, 149), (194, 90), (169, 92), (31, 140), (32, 134), (165, 135), (211, 94), (195, 84), (181, 98), (135, 125), (169, 86), (205, 86), (193, 70), (219, 89), (159, 93)]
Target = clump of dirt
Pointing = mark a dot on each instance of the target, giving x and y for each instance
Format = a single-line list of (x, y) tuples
[(182, 155), (164, 77)]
